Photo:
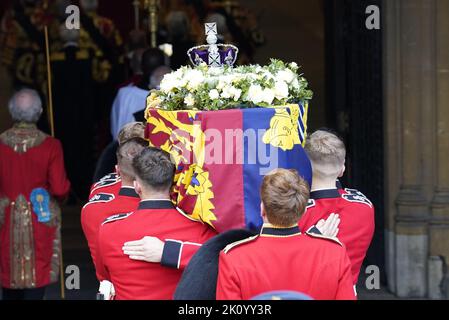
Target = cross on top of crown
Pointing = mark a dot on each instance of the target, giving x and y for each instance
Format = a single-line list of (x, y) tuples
[(211, 32)]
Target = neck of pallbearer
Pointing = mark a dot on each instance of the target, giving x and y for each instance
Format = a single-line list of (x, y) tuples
[(323, 183), (148, 195), (147, 192), (126, 182)]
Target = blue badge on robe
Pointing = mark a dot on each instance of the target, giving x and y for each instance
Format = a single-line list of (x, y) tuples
[(40, 199)]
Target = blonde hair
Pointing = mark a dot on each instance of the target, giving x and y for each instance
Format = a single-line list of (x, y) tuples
[(327, 152), (284, 196)]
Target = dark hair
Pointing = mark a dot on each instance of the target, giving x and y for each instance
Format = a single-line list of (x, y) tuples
[(284, 195), (151, 59), (154, 168), (126, 152)]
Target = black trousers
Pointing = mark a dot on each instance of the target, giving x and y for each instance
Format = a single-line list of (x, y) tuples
[(23, 294)]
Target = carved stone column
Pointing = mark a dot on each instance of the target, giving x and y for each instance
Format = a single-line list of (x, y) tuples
[(439, 227), (409, 104)]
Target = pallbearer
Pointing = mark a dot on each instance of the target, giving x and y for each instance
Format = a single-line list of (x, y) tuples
[(156, 216), (104, 204), (282, 257), (327, 153)]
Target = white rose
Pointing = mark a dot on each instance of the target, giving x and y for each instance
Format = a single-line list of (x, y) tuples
[(168, 83), (268, 96), (236, 93), (195, 78), (215, 71), (295, 84), (231, 92), (281, 90), (189, 100), (285, 75), (268, 75), (226, 94), (214, 94), (255, 94)]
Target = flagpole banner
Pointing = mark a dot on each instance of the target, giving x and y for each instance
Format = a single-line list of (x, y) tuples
[(221, 157)]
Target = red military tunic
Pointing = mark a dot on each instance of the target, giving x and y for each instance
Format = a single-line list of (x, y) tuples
[(137, 280), (110, 183), (356, 220), (29, 249), (101, 206), (284, 260)]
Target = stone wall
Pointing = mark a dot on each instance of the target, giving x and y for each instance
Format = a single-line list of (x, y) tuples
[(416, 82)]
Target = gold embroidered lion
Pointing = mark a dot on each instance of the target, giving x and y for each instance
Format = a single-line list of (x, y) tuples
[(283, 132)]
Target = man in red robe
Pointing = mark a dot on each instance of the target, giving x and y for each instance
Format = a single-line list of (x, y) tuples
[(32, 178)]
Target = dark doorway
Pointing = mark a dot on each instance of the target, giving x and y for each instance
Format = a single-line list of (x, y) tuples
[(354, 104)]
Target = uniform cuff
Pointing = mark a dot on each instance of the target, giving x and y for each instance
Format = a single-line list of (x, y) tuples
[(170, 254), (314, 230)]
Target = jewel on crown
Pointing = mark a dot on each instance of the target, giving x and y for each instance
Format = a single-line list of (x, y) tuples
[(213, 54)]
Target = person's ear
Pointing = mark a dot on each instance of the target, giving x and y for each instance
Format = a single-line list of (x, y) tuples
[(137, 187), (342, 172), (117, 170), (262, 210)]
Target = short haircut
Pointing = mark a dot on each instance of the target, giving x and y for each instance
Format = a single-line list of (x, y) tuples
[(131, 130), (284, 196), (126, 152), (151, 59), (25, 106), (154, 169), (327, 152)]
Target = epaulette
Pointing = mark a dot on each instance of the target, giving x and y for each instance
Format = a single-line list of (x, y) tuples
[(104, 183), (116, 217), (320, 236), (100, 198), (353, 195), (110, 176), (186, 215), (231, 246)]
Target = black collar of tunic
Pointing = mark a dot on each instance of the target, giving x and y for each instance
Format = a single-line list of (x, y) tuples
[(156, 204), (128, 192), (325, 194), (280, 232)]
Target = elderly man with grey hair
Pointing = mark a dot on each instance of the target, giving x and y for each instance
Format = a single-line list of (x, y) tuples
[(32, 179)]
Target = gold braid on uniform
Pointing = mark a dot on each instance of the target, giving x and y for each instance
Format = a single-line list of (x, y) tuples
[(22, 137)]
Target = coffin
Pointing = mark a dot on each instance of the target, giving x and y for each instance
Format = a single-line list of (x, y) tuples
[(222, 156)]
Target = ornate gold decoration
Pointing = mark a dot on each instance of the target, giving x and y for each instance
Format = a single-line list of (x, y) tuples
[(56, 256), (23, 137), (283, 132), (23, 271)]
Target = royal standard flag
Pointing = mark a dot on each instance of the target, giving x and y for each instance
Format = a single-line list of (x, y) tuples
[(222, 156)]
